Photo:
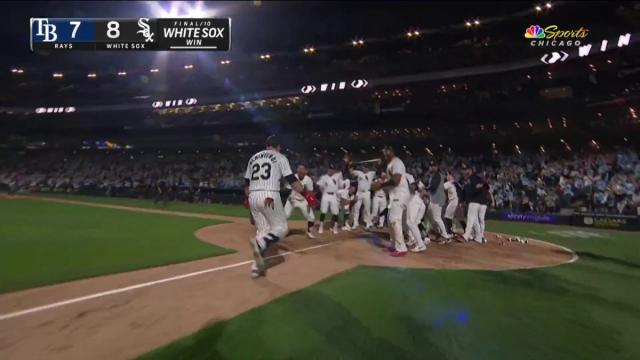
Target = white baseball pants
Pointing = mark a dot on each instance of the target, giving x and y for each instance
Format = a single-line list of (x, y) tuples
[(303, 205), (397, 207), (270, 223), (482, 211), (473, 229), (415, 213), (450, 210), (363, 200), (378, 206), (434, 214), (329, 202)]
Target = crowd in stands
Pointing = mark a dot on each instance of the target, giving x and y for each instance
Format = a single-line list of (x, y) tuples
[(605, 182)]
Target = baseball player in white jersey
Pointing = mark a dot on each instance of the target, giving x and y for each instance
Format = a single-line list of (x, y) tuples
[(452, 203), (264, 172), (363, 197), (398, 197), (415, 213), (329, 184), (436, 200), (379, 202), (346, 198), (297, 200)]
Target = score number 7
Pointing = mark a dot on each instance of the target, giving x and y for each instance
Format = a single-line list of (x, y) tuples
[(76, 25)]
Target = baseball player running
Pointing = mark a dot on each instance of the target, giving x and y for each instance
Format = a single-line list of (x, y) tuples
[(398, 197), (452, 203), (415, 213), (437, 197), (297, 200), (264, 172), (379, 204), (363, 196), (329, 184)]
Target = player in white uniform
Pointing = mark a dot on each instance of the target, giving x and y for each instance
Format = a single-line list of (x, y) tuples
[(264, 172), (329, 184), (437, 199), (415, 212), (296, 200), (398, 197), (452, 203), (346, 198), (363, 197), (379, 202)]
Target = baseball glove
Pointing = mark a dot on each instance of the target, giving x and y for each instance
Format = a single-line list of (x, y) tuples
[(311, 199)]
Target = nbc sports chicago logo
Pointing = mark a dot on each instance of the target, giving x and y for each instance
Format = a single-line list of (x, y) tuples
[(552, 35)]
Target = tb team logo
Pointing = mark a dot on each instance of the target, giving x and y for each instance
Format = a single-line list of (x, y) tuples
[(534, 32), (45, 31)]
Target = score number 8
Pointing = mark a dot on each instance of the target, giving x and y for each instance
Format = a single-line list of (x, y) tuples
[(113, 29)]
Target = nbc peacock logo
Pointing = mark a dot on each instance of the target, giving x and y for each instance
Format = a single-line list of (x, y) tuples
[(534, 32)]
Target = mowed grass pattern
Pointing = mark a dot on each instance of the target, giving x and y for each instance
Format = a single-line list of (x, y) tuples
[(586, 310), (201, 208), (43, 243)]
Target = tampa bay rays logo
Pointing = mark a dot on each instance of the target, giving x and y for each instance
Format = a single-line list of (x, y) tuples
[(145, 29)]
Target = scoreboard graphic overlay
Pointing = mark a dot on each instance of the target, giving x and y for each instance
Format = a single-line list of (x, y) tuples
[(130, 34)]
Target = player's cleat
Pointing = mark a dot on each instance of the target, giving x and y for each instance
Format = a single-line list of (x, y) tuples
[(484, 240), (260, 266), (411, 243), (334, 230), (256, 274), (321, 229), (399, 253), (418, 249), (426, 241), (346, 227), (466, 238), (310, 235)]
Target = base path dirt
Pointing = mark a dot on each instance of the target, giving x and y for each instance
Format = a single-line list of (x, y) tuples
[(124, 315)]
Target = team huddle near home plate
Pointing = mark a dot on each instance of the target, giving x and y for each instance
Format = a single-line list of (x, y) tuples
[(371, 194)]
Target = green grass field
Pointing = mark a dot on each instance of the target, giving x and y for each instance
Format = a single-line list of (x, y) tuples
[(586, 310), (589, 309), (216, 209), (43, 243)]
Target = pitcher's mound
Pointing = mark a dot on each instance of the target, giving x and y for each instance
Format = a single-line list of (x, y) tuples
[(498, 253)]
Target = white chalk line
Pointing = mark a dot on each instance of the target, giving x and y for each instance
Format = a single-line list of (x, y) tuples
[(145, 284)]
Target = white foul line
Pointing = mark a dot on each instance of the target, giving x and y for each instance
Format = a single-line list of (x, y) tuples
[(146, 284)]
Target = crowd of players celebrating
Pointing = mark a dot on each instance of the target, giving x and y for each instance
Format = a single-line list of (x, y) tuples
[(378, 192), (402, 200)]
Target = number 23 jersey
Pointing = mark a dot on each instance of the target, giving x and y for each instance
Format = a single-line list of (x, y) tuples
[(266, 169)]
